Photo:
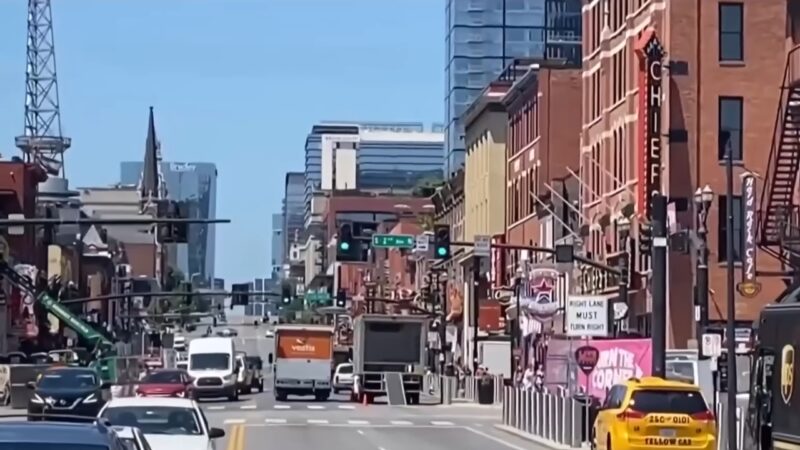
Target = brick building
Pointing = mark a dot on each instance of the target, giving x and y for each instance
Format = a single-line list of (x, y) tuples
[(662, 82)]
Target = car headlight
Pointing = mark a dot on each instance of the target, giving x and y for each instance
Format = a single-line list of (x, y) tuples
[(37, 399), (92, 398)]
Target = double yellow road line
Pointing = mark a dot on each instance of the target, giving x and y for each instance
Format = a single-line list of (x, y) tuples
[(236, 438)]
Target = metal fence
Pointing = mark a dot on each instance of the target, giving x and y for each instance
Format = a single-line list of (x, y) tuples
[(463, 389), (564, 420)]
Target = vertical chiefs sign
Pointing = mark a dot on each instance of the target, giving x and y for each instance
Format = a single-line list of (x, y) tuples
[(651, 59)]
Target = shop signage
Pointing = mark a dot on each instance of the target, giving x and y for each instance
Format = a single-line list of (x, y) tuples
[(539, 298), (749, 287), (653, 58), (587, 316), (586, 357)]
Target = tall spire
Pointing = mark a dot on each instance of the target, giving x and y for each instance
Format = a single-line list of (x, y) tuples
[(41, 141), (150, 184)]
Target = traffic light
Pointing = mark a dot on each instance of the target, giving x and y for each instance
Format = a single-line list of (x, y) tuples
[(341, 298), (441, 242), (286, 294), (645, 238), (345, 244)]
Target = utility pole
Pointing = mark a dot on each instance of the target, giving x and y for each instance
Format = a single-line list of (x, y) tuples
[(659, 283), (730, 340), (476, 276)]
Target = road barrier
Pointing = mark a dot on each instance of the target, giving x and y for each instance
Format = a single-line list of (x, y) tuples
[(560, 419), (462, 389), (19, 375)]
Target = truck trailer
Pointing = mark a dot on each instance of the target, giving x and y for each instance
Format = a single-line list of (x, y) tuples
[(389, 357), (302, 361)]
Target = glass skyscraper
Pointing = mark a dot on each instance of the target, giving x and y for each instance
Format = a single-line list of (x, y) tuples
[(195, 183), (484, 36), (293, 211)]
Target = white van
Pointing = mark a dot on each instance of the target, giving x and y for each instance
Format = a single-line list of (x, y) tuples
[(213, 367)]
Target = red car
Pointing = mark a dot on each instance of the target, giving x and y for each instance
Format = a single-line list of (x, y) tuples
[(165, 383)]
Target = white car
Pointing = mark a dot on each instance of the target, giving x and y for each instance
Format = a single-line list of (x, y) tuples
[(269, 334), (133, 438), (343, 378), (167, 423)]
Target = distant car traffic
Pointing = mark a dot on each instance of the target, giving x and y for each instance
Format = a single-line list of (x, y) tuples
[(74, 391), (343, 378), (244, 378), (256, 365), (133, 438), (95, 435), (167, 423), (269, 334), (166, 383), (227, 332)]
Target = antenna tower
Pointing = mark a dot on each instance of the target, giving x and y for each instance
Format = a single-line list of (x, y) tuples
[(42, 141)]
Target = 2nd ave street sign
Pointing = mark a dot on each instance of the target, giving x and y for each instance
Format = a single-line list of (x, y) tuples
[(587, 316), (393, 240)]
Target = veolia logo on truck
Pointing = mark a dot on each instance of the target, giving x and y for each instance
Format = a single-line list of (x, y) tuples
[(302, 346)]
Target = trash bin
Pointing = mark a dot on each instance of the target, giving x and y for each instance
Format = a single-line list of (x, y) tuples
[(486, 391)]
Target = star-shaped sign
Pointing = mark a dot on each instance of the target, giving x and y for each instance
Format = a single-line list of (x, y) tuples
[(543, 286)]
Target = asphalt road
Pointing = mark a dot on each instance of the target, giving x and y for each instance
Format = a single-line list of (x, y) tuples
[(258, 422)]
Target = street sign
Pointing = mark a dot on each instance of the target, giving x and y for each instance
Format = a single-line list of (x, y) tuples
[(587, 316), (318, 297), (393, 241), (483, 246), (421, 243), (712, 345)]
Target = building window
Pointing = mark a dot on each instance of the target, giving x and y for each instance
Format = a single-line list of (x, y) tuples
[(722, 228), (730, 127), (731, 32)]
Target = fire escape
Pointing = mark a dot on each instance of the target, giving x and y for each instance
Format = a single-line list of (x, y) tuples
[(780, 216)]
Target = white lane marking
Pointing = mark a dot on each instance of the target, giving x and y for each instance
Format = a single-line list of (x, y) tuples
[(400, 422), (494, 438), (358, 422), (232, 421), (317, 421), (282, 407), (249, 407), (361, 432), (347, 407), (215, 408), (315, 407), (276, 421), (441, 423)]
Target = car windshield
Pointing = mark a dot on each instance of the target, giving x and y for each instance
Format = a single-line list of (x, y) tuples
[(155, 419), (165, 377), (346, 369), (48, 446), (681, 371), (254, 362), (668, 402), (68, 379), (209, 361)]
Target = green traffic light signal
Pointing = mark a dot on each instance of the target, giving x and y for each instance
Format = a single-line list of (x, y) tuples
[(344, 246), (441, 251)]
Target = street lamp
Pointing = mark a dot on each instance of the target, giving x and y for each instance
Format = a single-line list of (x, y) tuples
[(624, 230), (702, 199)]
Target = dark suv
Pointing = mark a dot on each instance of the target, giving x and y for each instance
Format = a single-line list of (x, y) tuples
[(73, 391), (96, 435)]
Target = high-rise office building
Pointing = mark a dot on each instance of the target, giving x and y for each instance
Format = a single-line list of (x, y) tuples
[(277, 244), (372, 156), (196, 184), (293, 212), (484, 36)]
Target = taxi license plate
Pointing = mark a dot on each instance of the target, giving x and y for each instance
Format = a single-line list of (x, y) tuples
[(667, 432)]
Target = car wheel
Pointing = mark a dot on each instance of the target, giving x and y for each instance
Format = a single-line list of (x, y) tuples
[(261, 386)]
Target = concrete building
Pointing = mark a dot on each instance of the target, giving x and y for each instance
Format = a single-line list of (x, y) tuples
[(724, 70), (484, 36), (195, 183), (373, 156), (449, 209)]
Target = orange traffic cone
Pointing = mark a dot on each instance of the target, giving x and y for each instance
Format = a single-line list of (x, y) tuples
[(364, 399)]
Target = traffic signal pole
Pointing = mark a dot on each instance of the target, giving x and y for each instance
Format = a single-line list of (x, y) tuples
[(659, 284), (476, 274)]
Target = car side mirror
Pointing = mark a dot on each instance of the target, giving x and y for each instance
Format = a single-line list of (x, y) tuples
[(216, 433), (31, 385), (269, 358)]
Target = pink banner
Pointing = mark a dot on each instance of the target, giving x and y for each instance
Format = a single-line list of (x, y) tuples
[(618, 361)]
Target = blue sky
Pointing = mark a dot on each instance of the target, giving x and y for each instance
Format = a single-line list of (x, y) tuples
[(234, 82)]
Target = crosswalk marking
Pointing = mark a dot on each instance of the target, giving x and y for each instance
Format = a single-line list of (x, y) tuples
[(441, 423), (358, 422), (317, 421), (347, 407), (233, 421), (282, 406), (249, 407), (276, 421), (400, 422), (216, 407), (315, 407)]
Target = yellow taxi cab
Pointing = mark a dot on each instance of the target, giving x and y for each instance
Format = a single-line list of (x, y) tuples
[(654, 413)]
